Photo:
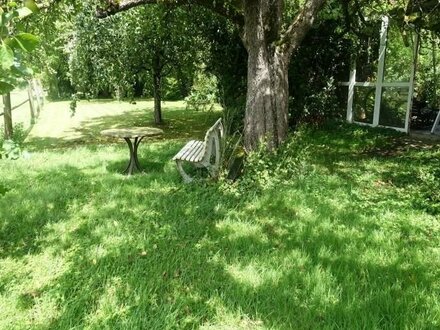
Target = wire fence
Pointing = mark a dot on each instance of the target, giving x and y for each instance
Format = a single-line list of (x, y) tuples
[(20, 109), (25, 106)]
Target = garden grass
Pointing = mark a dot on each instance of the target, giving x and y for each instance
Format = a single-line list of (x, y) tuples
[(334, 232)]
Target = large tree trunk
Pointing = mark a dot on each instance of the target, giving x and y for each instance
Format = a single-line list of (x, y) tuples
[(269, 51), (266, 117)]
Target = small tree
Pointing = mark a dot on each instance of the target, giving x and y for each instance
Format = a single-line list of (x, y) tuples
[(14, 44), (140, 47)]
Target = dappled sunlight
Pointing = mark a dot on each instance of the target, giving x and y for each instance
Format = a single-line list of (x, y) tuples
[(33, 275), (333, 240), (109, 303), (250, 275), (90, 118), (228, 318), (234, 230)]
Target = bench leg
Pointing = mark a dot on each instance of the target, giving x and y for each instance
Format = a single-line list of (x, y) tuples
[(186, 178)]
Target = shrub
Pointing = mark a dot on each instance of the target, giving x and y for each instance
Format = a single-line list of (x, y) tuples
[(12, 148), (203, 94), (319, 64)]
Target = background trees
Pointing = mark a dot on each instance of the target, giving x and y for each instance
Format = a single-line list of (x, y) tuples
[(135, 54), (156, 50), (270, 32)]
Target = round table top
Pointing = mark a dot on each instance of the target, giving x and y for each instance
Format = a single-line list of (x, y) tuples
[(132, 132)]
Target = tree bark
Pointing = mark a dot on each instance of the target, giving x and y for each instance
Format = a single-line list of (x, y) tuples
[(157, 89), (269, 52), (266, 116), (7, 114), (31, 104), (157, 99)]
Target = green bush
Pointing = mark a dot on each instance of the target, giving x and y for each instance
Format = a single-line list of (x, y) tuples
[(12, 148), (203, 94), (321, 62)]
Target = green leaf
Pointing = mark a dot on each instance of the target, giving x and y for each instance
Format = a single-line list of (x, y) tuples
[(5, 87), (30, 4), (6, 56), (21, 71), (26, 41), (9, 16), (24, 11)]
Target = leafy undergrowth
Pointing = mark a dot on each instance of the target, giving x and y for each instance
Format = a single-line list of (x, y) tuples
[(339, 229)]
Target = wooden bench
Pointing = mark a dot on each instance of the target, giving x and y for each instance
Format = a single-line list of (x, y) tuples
[(200, 153)]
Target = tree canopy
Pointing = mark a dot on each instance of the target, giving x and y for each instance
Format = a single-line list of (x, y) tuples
[(276, 62)]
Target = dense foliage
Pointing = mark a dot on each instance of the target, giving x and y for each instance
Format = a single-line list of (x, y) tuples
[(118, 56), (176, 50), (15, 44)]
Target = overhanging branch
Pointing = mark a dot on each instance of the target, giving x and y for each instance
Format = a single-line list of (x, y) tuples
[(112, 7), (302, 23)]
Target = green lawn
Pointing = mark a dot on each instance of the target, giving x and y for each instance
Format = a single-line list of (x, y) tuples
[(341, 229)]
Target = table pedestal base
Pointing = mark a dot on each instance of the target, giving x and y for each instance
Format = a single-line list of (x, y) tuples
[(133, 165)]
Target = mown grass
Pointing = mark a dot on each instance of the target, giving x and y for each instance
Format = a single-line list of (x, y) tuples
[(338, 230)]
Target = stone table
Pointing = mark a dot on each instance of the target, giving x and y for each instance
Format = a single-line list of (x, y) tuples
[(133, 136)]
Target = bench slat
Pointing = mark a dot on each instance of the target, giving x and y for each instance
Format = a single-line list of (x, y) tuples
[(197, 153), (185, 150), (188, 148), (191, 151), (196, 149)]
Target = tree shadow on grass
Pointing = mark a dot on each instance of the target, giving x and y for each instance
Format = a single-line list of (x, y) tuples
[(146, 167), (152, 157), (152, 253), (178, 124), (45, 200), (177, 258), (338, 273), (153, 272), (392, 162)]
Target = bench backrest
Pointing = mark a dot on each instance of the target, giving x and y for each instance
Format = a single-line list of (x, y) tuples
[(216, 129), (212, 138)]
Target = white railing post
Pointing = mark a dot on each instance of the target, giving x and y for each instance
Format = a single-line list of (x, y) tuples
[(351, 85), (411, 82), (380, 69)]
